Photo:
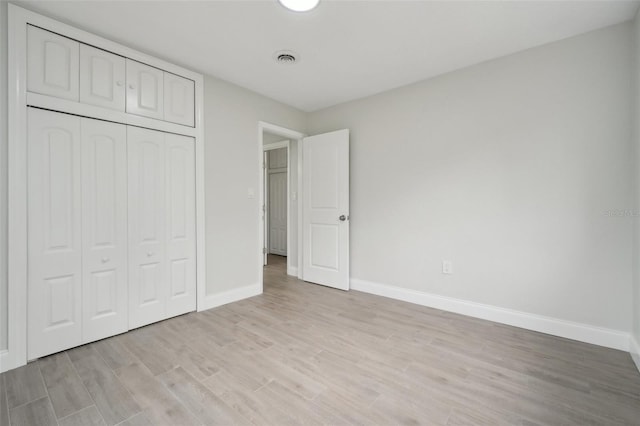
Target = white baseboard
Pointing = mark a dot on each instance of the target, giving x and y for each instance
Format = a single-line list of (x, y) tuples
[(558, 327), (292, 271), (5, 365), (635, 350), (8, 361), (229, 296)]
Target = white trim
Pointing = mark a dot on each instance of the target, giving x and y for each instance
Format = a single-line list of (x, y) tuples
[(17, 188), (300, 201), (277, 145), (288, 134), (558, 327), (99, 113), (18, 18), (634, 350), (4, 359), (230, 296), (292, 270)]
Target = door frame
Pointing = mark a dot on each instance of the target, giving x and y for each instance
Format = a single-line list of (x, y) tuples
[(15, 354), (290, 135)]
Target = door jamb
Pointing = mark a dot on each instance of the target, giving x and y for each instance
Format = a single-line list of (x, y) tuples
[(288, 134)]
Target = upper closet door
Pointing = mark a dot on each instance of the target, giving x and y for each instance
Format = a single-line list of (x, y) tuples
[(52, 64), (54, 239), (179, 99), (102, 78), (104, 229), (181, 224), (145, 94)]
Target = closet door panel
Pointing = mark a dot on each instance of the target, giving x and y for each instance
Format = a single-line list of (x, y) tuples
[(54, 237), (145, 90), (104, 229), (146, 182), (181, 226), (102, 78), (52, 64), (179, 99)]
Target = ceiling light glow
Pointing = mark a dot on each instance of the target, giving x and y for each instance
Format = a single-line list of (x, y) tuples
[(299, 5)]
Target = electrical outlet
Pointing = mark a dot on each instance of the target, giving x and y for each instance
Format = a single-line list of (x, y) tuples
[(447, 267)]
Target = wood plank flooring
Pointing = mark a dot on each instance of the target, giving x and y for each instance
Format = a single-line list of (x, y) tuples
[(305, 354)]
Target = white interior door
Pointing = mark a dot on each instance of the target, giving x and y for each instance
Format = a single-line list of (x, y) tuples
[(55, 244), (180, 224), (325, 213), (104, 229), (278, 213), (147, 231)]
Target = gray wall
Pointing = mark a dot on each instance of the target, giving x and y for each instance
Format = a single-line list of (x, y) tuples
[(507, 168), (231, 157), (3, 175)]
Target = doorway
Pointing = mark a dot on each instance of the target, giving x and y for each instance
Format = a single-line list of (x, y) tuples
[(276, 202), (279, 209), (317, 204)]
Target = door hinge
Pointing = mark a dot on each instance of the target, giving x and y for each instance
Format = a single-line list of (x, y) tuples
[(264, 250)]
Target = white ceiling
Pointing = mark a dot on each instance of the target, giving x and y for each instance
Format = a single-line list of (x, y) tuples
[(348, 49)]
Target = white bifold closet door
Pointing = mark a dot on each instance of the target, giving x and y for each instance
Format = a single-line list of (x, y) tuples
[(161, 225), (104, 229), (54, 229), (77, 231)]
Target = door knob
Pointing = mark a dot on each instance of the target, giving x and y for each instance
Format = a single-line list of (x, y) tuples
[(342, 218), (119, 83), (105, 259)]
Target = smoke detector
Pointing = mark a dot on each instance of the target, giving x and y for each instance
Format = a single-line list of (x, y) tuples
[(286, 57)]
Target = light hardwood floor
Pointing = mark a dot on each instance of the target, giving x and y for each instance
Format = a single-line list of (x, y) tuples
[(306, 354)]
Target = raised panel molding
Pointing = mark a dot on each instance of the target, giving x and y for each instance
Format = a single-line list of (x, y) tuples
[(179, 99), (55, 245), (181, 226), (102, 78), (52, 64), (145, 90), (104, 229), (147, 223)]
